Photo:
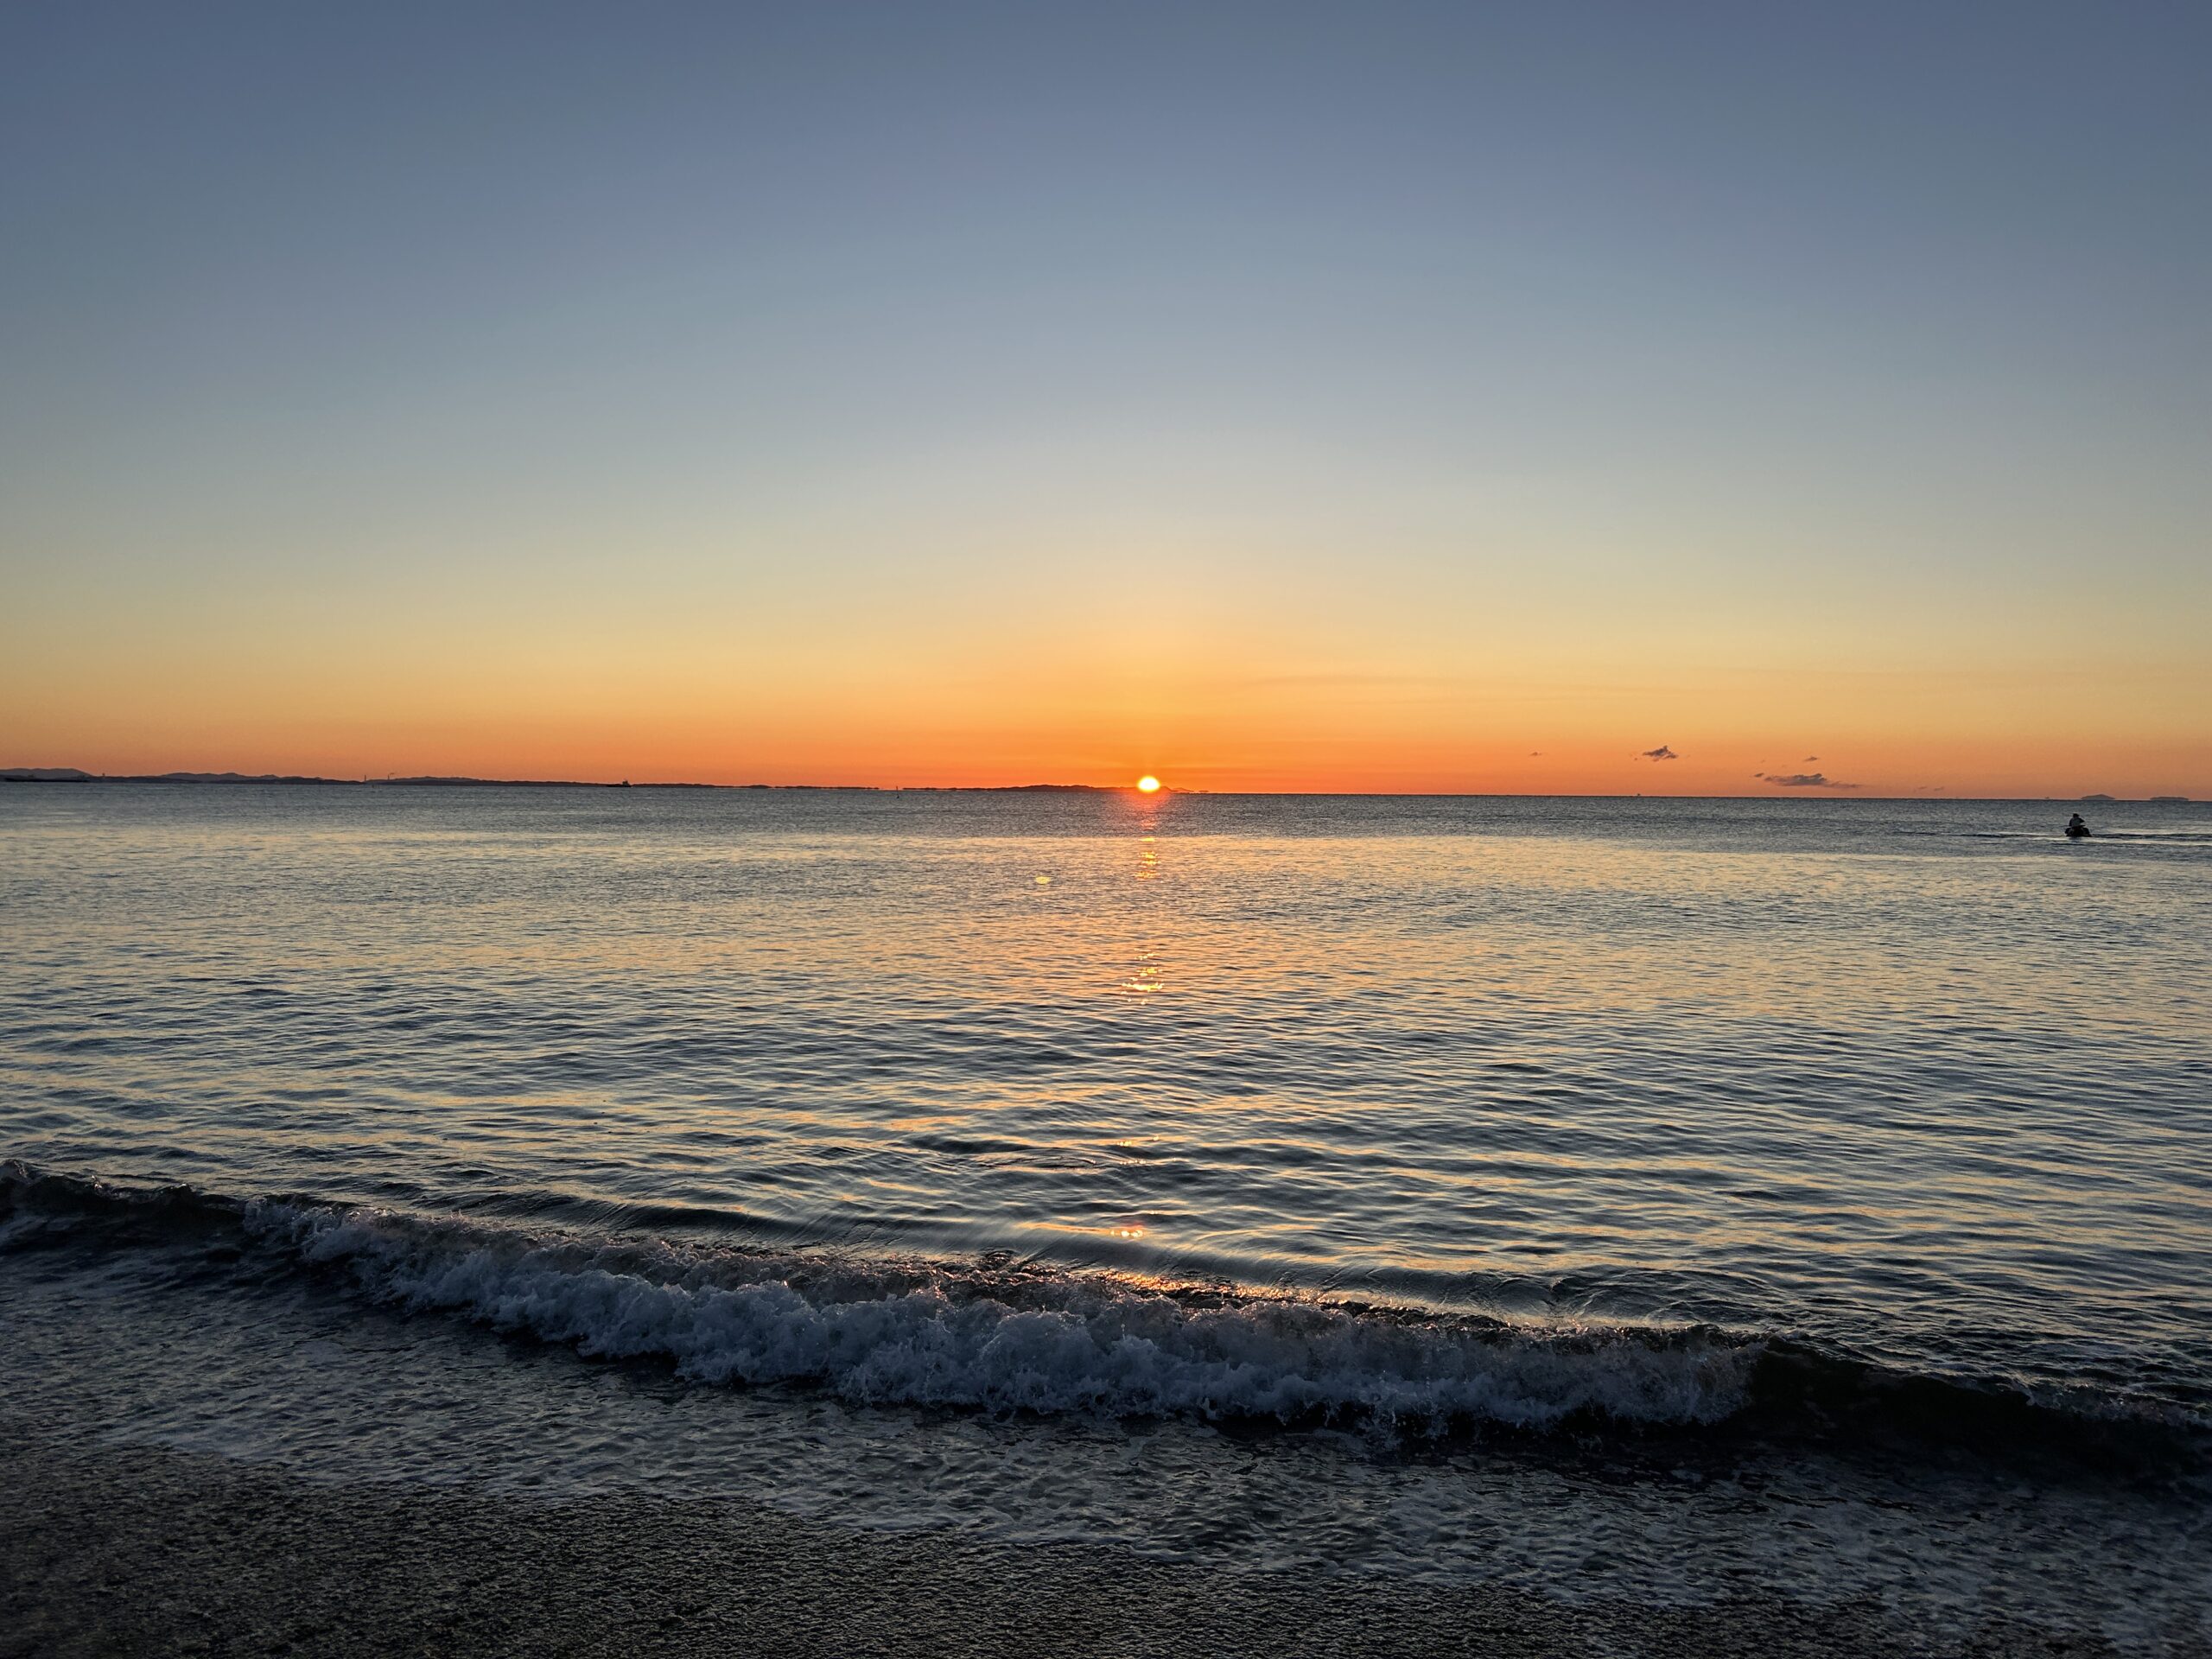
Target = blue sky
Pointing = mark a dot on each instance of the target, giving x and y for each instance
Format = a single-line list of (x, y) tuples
[(752, 368)]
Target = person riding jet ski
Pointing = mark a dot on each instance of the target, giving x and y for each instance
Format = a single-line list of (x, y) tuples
[(2075, 829)]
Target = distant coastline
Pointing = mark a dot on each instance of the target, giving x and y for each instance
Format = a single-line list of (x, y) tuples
[(75, 775)]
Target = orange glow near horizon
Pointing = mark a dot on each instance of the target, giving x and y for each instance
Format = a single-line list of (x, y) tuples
[(1215, 709), (1148, 783)]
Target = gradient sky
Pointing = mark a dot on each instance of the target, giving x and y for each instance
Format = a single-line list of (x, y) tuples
[(1277, 397)]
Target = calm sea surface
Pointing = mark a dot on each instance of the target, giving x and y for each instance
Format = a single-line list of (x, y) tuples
[(1802, 1129)]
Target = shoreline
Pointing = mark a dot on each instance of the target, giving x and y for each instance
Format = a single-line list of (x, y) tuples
[(126, 1548)]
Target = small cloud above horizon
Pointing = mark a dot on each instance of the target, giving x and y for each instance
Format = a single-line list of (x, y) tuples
[(1810, 759), (1662, 752), (1805, 780)]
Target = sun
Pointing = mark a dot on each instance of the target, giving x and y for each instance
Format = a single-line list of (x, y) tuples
[(1148, 785)]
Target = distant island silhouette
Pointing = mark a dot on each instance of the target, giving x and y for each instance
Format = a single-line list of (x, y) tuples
[(76, 775)]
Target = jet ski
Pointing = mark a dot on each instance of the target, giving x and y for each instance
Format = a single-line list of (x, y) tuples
[(2075, 829)]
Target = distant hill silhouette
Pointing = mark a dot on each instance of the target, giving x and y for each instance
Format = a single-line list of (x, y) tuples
[(73, 775)]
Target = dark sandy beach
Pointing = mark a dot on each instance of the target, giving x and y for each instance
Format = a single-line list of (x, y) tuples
[(107, 1550)]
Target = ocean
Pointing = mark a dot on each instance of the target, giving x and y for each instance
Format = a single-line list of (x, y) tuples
[(1659, 1201)]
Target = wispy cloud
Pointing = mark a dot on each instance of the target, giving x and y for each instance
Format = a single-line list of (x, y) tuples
[(1804, 780), (1662, 752)]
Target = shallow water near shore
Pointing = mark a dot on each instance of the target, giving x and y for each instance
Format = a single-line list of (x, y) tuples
[(1675, 1198)]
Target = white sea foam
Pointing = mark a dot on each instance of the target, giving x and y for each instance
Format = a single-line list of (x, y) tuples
[(903, 1334)]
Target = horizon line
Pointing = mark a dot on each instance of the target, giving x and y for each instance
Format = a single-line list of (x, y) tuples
[(63, 775)]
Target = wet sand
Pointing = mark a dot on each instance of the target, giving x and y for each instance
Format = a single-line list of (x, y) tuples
[(137, 1550)]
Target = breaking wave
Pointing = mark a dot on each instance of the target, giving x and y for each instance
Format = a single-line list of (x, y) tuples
[(1014, 1341), (1021, 1338), (910, 1333)]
